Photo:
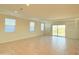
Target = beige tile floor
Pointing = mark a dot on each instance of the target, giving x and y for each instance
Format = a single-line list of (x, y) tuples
[(44, 45)]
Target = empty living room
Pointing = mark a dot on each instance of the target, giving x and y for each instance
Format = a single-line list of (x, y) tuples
[(39, 29)]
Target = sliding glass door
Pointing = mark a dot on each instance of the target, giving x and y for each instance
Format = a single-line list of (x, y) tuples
[(58, 30), (54, 28)]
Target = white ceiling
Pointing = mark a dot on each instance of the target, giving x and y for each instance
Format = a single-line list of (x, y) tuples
[(41, 11)]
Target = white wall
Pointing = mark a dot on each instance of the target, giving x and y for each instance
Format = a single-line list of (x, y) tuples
[(22, 30)]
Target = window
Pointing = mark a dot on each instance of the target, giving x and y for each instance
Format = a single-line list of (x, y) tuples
[(10, 25), (42, 26), (32, 26)]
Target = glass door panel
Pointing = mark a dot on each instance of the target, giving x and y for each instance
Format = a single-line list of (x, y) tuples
[(58, 30), (54, 28), (61, 30)]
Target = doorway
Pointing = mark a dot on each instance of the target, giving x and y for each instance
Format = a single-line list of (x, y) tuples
[(58, 30)]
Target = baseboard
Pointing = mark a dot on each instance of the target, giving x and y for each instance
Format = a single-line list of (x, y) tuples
[(21, 38)]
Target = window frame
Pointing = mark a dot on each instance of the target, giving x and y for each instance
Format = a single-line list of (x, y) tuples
[(30, 27), (5, 25), (41, 26)]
